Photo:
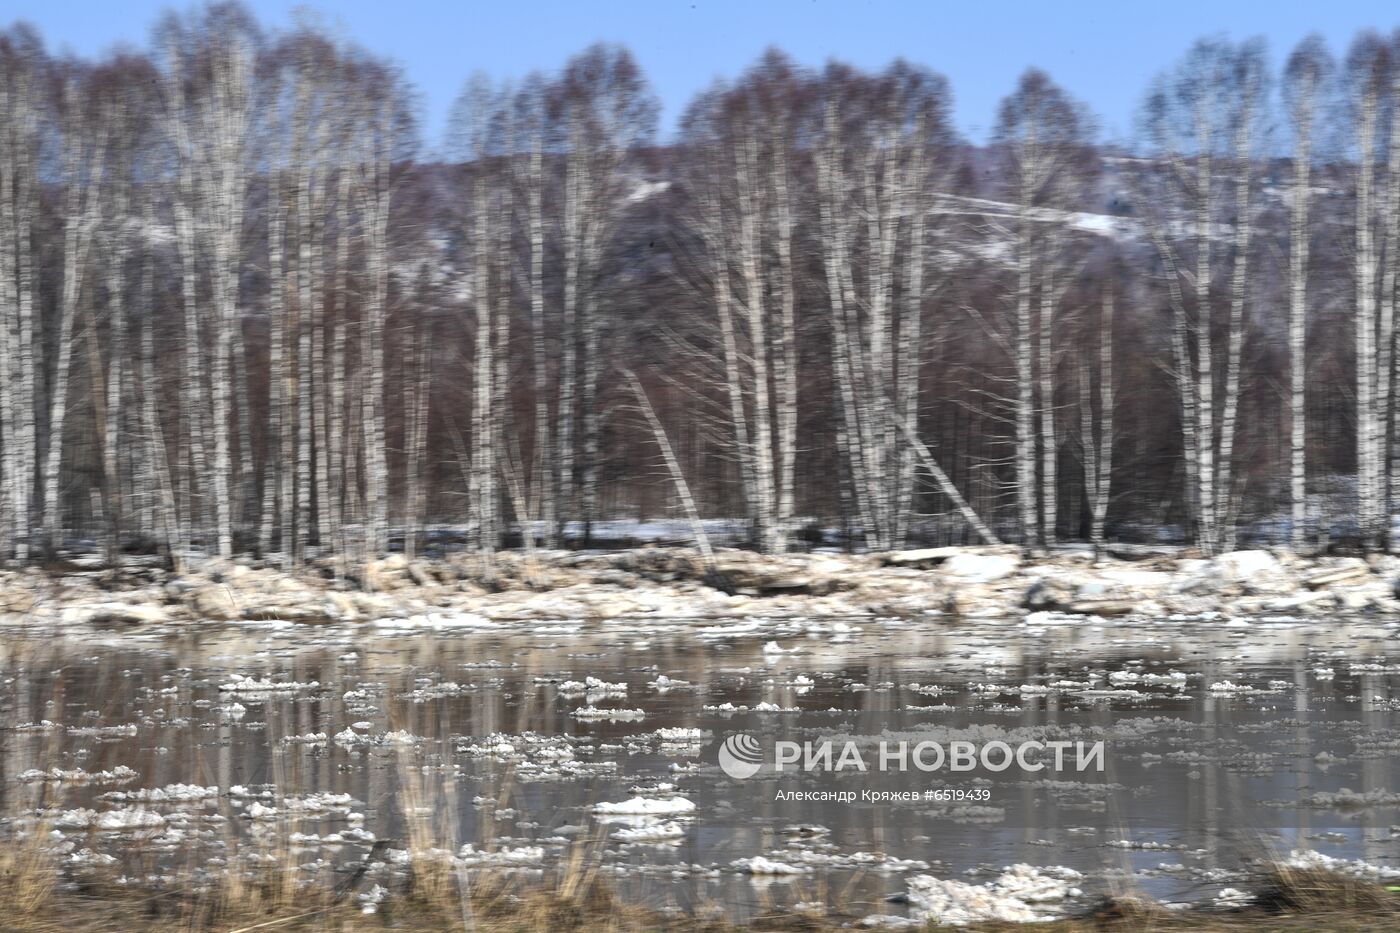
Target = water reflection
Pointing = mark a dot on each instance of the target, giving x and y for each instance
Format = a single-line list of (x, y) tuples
[(441, 740)]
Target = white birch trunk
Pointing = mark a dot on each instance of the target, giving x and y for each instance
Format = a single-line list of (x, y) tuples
[(1025, 386), (483, 450), (545, 489), (274, 501), (1049, 446), (375, 194), (115, 377), (785, 350), (1097, 445), (1368, 511), (763, 504), (569, 336), (1299, 244)]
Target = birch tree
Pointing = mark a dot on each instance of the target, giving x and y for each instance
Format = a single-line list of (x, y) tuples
[(1307, 69), (1203, 121), (743, 145), (384, 129), (1368, 76), (21, 111), (1388, 433), (158, 472), (478, 118), (879, 148), (277, 531), (607, 112), (87, 124), (209, 113), (122, 88), (533, 132), (1045, 137), (1096, 433), (300, 99), (417, 399), (235, 315)]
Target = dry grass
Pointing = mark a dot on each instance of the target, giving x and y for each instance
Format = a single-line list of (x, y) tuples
[(28, 904), (32, 900)]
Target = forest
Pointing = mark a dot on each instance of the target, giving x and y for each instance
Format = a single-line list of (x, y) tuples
[(245, 309)]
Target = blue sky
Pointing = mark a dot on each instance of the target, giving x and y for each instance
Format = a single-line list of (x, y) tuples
[(1102, 52)]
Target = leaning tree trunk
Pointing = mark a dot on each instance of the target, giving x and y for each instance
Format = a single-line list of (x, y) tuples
[(81, 217), (663, 443)]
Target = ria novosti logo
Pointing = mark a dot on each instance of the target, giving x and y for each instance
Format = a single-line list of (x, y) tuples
[(740, 756)]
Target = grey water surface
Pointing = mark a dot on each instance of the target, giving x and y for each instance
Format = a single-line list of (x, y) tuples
[(1223, 743)]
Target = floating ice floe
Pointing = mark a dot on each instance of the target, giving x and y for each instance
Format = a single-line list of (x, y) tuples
[(537, 757), (318, 805), (759, 865), (646, 806), (349, 738), (650, 832), (121, 774), (170, 793), (1009, 898), (86, 858), (310, 738), (1232, 898), (1172, 679), (353, 834), (119, 820), (243, 684), (436, 691), (1307, 859), (592, 689), (826, 858), (591, 685), (763, 707), (595, 713), (1348, 799), (123, 730), (471, 856), (680, 735)]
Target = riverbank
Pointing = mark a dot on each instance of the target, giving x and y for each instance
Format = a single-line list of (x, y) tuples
[(466, 590), (33, 901)]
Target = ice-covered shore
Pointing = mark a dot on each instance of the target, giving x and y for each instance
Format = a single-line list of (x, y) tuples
[(464, 591)]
